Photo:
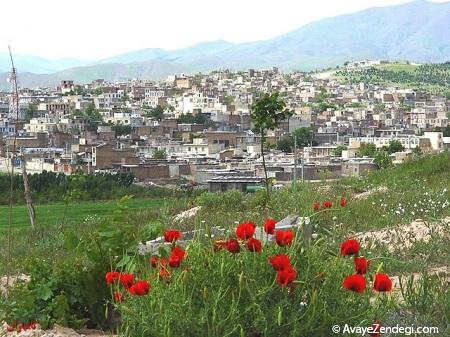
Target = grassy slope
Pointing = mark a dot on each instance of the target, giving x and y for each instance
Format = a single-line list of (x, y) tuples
[(53, 214), (416, 189), (396, 68)]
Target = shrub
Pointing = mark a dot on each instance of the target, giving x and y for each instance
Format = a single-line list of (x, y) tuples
[(217, 293)]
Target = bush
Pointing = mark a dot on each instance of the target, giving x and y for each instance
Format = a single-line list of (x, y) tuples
[(224, 294)]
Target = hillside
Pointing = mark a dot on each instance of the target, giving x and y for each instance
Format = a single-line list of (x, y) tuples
[(430, 77), (418, 31)]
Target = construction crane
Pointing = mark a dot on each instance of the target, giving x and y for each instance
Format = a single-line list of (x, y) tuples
[(14, 113)]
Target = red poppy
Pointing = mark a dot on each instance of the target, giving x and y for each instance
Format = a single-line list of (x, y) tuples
[(286, 276), (361, 265), (127, 280), (328, 204), (118, 297), (254, 245), (316, 206), (172, 235), (178, 252), (112, 276), (140, 288), (154, 261), (284, 237), (233, 246), (355, 283), (343, 202), (350, 247), (382, 282), (376, 325), (174, 261), (245, 230), (269, 226), (280, 262)]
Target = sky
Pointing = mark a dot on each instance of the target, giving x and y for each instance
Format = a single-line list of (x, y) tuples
[(95, 29)]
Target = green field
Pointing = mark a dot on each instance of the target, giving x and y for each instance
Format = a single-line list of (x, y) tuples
[(53, 214)]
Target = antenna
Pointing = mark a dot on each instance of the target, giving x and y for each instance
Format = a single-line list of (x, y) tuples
[(14, 102)]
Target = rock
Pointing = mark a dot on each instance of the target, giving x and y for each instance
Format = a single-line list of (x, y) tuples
[(365, 195), (5, 283), (187, 214)]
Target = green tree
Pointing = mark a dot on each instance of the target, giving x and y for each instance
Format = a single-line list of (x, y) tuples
[(192, 119), (156, 113), (304, 136), (30, 112), (121, 130), (382, 159), (160, 154), (285, 144), (395, 146), (338, 150), (267, 113), (366, 150)]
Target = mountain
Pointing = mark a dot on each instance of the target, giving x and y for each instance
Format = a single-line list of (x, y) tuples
[(417, 31), (36, 64)]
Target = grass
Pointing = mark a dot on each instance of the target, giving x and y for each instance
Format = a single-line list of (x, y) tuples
[(398, 67), (54, 214), (416, 189)]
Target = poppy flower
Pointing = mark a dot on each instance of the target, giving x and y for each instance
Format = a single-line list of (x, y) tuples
[(140, 288), (127, 280), (286, 276), (172, 235), (233, 246), (382, 282), (154, 261), (254, 245), (343, 202), (284, 237), (350, 247), (245, 230), (118, 297), (328, 204), (376, 325), (355, 282), (178, 252), (269, 226), (316, 206), (280, 262), (112, 276), (361, 265)]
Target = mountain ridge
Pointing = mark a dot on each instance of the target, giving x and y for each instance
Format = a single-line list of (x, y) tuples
[(418, 31)]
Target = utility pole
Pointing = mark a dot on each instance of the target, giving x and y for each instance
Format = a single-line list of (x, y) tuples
[(15, 111), (295, 162)]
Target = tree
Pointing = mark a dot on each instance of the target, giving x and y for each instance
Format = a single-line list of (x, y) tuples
[(192, 119), (121, 130), (285, 144), (304, 136), (382, 159), (267, 113), (395, 146), (160, 154), (30, 112), (93, 116), (156, 113), (338, 150), (366, 150)]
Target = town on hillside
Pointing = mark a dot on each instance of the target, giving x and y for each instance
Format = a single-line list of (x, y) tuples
[(197, 130)]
